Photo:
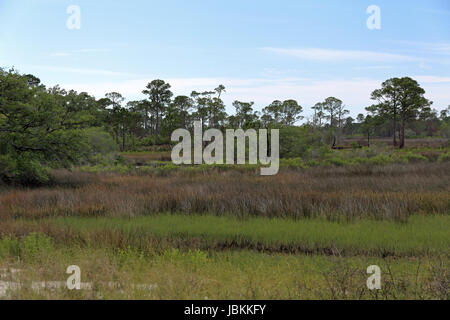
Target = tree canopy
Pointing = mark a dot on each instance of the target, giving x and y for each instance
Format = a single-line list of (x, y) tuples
[(43, 128)]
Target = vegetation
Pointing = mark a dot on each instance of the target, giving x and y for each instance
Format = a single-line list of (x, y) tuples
[(90, 182), (43, 128)]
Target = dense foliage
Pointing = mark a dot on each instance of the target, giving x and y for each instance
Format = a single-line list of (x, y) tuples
[(42, 128)]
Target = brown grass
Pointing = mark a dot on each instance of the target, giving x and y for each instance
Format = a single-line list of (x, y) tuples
[(144, 158), (389, 192), (410, 143)]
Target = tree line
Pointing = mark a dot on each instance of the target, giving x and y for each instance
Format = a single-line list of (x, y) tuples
[(400, 110), (44, 127)]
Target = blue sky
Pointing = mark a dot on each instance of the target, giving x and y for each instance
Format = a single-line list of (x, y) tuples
[(260, 50)]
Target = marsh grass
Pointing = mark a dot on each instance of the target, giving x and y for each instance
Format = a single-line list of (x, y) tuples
[(420, 236), (392, 192), (227, 233), (200, 275)]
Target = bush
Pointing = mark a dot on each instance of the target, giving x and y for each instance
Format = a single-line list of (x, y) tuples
[(9, 247), (444, 157), (7, 168), (30, 246), (297, 142), (34, 244), (24, 170), (103, 148), (445, 130), (410, 157), (31, 172)]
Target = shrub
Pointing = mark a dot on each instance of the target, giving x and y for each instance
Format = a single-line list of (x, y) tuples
[(31, 246), (24, 169), (103, 148), (297, 142), (410, 157), (445, 130), (34, 244), (444, 157), (9, 247), (7, 168), (31, 172)]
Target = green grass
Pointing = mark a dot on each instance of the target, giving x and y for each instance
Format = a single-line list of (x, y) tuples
[(421, 235), (194, 274), (210, 257)]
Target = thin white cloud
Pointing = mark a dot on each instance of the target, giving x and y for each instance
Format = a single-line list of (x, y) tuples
[(85, 71), (79, 51), (432, 79), (373, 68), (440, 48), (317, 54)]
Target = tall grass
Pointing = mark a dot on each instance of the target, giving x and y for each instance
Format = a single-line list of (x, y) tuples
[(421, 235), (237, 275), (391, 192)]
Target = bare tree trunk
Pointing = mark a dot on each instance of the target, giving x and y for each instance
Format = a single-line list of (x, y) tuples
[(402, 133), (123, 139), (339, 131), (395, 128), (117, 135), (157, 127)]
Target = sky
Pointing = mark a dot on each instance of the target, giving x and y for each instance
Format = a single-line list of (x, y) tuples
[(259, 50)]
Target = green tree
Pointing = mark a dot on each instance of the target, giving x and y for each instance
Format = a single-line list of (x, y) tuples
[(39, 128), (159, 96), (272, 113), (182, 105), (319, 114), (245, 116), (335, 113), (210, 110), (290, 112), (400, 99), (331, 107), (114, 100), (285, 113)]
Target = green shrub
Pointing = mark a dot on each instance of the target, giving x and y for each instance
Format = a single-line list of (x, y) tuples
[(31, 172), (380, 159), (410, 157), (9, 247), (293, 163), (7, 168), (30, 246), (35, 244), (444, 157), (445, 130), (297, 142), (102, 147)]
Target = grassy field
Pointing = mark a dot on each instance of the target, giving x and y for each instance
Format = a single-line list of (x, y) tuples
[(420, 236), (228, 233), (175, 274)]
